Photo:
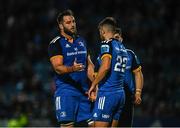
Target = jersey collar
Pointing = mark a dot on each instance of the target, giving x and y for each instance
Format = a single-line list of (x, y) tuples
[(67, 37)]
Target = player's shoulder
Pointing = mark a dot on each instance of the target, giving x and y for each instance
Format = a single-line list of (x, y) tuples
[(131, 52), (81, 40), (79, 37), (114, 41), (106, 41), (54, 40)]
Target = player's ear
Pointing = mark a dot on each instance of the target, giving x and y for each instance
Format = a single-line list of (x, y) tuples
[(103, 32), (121, 39), (61, 26)]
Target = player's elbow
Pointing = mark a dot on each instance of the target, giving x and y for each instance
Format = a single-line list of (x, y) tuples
[(58, 70)]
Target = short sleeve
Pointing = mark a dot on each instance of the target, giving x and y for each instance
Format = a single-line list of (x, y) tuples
[(54, 48), (135, 62), (106, 49)]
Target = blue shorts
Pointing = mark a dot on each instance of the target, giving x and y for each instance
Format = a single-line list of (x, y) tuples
[(108, 106), (74, 108)]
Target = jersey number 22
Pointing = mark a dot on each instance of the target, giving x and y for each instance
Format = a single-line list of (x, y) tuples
[(120, 65)]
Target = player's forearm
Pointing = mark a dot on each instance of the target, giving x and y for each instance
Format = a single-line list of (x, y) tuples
[(139, 81), (104, 68), (100, 75), (64, 69), (91, 75), (90, 70)]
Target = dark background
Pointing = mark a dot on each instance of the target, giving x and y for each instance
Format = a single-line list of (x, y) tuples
[(151, 28)]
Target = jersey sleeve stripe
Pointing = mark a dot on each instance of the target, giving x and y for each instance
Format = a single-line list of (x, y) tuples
[(137, 69), (56, 56), (109, 55)]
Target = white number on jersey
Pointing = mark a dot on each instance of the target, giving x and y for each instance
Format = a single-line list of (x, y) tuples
[(120, 65)]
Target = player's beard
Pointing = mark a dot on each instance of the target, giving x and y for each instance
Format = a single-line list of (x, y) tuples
[(68, 32)]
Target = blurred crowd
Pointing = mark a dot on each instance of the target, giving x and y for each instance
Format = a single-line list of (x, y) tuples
[(150, 28)]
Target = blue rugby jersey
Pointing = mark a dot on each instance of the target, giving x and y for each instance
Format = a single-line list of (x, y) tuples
[(133, 64), (114, 79), (75, 81)]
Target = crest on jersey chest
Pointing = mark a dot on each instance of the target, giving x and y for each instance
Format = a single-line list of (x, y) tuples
[(81, 43)]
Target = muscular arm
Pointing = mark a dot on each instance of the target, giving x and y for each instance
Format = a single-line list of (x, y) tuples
[(90, 69), (104, 68), (105, 65), (57, 63)]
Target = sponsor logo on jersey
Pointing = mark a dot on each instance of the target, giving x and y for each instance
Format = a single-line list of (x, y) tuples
[(105, 48), (105, 116), (75, 53), (67, 46)]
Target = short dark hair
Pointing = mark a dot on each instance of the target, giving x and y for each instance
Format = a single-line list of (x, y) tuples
[(110, 22), (119, 31), (64, 13)]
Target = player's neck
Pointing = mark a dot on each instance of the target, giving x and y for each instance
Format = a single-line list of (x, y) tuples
[(68, 37), (108, 37)]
